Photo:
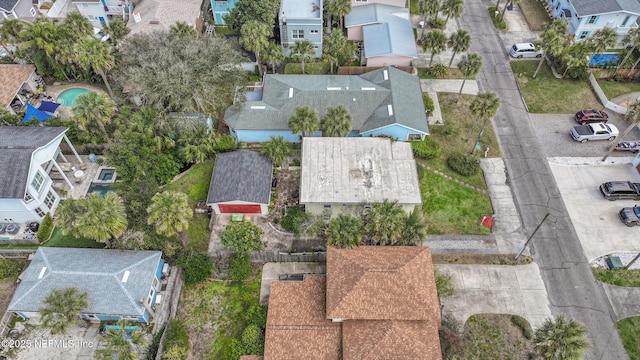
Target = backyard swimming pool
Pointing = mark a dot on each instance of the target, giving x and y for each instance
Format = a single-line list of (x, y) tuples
[(99, 188), (607, 59), (68, 97)]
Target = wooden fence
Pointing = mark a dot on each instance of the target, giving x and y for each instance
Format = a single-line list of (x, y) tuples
[(356, 70)]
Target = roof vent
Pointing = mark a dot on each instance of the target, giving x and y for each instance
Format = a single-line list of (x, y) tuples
[(367, 88), (125, 277), (334, 88), (390, 109), (44, 269), (385, 74), (290, 93), (254, 107)]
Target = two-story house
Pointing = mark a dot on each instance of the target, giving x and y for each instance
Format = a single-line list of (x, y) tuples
[(586, 16), (99, 12), (300, 20)]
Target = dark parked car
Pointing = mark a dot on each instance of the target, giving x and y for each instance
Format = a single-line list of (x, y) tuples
[(614, 190), (630, 216), (591, 116)]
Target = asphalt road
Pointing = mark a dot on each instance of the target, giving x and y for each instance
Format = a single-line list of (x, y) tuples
[(566, 273)]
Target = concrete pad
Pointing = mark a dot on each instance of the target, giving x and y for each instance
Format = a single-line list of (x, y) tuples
[(624, 300), (449, 86), (595, 219), (497, 289), (272, 271)]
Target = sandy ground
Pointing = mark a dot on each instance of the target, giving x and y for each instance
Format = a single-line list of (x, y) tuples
[(37, 343)]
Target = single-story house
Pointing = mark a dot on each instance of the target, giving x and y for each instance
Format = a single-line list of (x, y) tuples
[(375, 302), (241, 183), (385, 32), (119, 284), (16, 80), (385, 101), (28, 155), (349, 174), (587, 16)]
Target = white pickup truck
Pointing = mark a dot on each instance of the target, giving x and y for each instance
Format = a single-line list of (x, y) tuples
[(594, 131)]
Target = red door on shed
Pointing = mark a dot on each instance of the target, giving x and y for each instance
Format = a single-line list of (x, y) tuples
[(239, 208)]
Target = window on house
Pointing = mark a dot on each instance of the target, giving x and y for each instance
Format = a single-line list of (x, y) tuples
[(583, 34), (313, 31), (27, 197), (33, 12), (40, 212), (37, 181), (155, 282), (367, 206), (298, 34), (626, 20), (361, 1), (50, 199), (327, 206), (85, 5), (592, 19)]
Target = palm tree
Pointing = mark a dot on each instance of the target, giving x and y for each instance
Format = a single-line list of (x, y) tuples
[(435, 42), (336, 49), (504, 9), (121, 343), (277, 148), (384, 222), (632, 38), (339, 8), (67, 216), (304, 51), (181, 28), (304, 121), (97, 55), (459, 41), (77, 25), (575, 56), (413, 231), (426, 8), (117, 30), (61, 308), (345, 231), (484, 106), (336, 122), (469, 66), (170, 213), (561, 339), (195, 145), (92, 112), (553, 41), (452, 8), (273, 55), (254, 36), (9, 33), (601, 39), (103, 218)]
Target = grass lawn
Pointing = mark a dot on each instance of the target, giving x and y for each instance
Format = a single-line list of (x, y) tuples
[(313, 68), (546, 94), (60, 240), (494, 336), (629, 330), (614, 89), (495, 18), (629, 278), (195, 184), (535, 14), (225, 30)]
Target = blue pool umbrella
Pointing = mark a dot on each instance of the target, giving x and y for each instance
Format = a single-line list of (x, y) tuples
[(31, 112), (48, 106)]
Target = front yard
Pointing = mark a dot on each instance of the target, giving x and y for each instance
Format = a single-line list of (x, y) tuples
[(613, 89)]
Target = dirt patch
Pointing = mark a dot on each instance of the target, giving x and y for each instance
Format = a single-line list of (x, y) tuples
[(484, 259), (7, 287)]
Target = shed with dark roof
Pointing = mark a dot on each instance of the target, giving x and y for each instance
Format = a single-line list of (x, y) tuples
[(241, 183)]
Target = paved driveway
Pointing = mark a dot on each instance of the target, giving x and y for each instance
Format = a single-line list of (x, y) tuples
[(497, 289), (594, 218)]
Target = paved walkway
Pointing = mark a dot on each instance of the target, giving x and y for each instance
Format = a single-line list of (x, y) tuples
[(497, 289), (624, 300)]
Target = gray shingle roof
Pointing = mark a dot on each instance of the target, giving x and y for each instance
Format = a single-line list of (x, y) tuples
[(98, 272), (8, 4), (367, 98), (595, 7), (242, 175), (17, 143)]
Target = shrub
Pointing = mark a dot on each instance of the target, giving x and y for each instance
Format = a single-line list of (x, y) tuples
[(580, 73), (196, 267), (176, 340), (437, 24), (426, 149), (522, 324), (239, 267), (450, 339), (11, 268), (256, 315), (243, 236), (225, 143), (444, 285), (293, 219), (439, 71), (428, 103), (46, 228), (253, 340), (420, 171), (463, 164), (152, 350)]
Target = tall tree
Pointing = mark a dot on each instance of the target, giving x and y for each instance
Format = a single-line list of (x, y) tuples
[(273, 55), (458, 42), (77, 25), (434, 42), (254, 36), (426, 8), (97, 55), (243, 237), (469, 66), (170, 213), (38, 43), (561, 339), (632, 38), (303, 50), (117, 30), (575, 56), (452, 8), (92, 113), (277, 148), (384, 222), (336, 122), (121, 343), (264, 11), (414, 230), (305, 121), (484, 106), (66, 216), (196, 145), (345, 231), (181, 28), (601, 39), (102, 219), (553, 41), (62, 308), (339, 8), (336, 49), (10, 30)]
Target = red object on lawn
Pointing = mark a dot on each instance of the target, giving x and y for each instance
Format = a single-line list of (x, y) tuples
[(487, 220)]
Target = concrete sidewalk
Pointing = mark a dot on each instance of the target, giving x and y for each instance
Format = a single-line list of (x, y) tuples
[(497, 289)]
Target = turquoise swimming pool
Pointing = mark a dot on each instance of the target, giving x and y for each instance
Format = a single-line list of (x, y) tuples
[(68, 97)]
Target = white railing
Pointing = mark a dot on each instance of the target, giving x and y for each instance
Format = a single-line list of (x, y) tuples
[(56, 9)]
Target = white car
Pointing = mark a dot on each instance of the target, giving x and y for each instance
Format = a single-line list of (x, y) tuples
[(98, 34), (525, 50)]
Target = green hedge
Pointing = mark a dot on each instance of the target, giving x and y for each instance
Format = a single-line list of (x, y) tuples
[(426, 149), (196, 267), (239, 267), (46, 229), (463, 164), (293, 219), (225, 143)]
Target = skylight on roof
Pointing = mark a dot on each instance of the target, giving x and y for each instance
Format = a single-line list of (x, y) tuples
[(367, 88), (385, 73), (257, 107), (390, 109), (290, 93), (334, 88), (125, 277), (44, 269)]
